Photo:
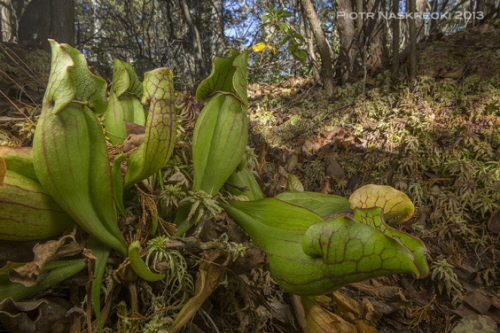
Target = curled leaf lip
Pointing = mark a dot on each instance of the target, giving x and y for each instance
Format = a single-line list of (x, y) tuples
[(412, 244)]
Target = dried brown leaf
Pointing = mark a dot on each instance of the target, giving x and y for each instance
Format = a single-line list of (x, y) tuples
[(67, 245), (320, 320), (369, 125), (476, 324), (494, 222), (478, 301), (336, 131), (209, 276), (386, 293), (292, 161), (451, 74), (133, 128), (361, 327), (325, 187), (344, 304), (261, 160), (253, 258), (132, 141), (334, 170), (39, 316)]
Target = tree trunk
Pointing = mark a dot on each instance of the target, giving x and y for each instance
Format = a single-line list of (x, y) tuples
[(324, 51), (44, 19), (375, 32), (395, 43), (310, 47), (201, 71), (6, 21), (480, 7), (411, 7), (62, 21), (347, 41), (419, 21), (217, 41)]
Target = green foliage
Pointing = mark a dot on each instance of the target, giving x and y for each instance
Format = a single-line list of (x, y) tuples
[(139, 266), (178, 282), (199, 202), (274, 19), (442, 272)]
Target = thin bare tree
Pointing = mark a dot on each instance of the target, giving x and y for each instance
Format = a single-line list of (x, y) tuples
[(327, 73)]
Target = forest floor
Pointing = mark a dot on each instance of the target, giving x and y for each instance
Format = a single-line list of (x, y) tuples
[(438, 140)]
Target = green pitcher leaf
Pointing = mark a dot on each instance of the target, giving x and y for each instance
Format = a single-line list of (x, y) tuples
[(90, 89), (72, 166), (269, 217), (124, 102), (221, 131), (69, 151), (126, 107), (61, 89), (278, 227), (100, 180), (125, 80), (19, 159), (220, 79), (3, 170), (310, 256), (181, 220), (28, 212), (219, 142), (352, 251), (321, 204), (397, 206), (139, 266), (161, 127), (101, 253), (116, 173), (240, 78), (121, 79), (244, 178), (374, 217)]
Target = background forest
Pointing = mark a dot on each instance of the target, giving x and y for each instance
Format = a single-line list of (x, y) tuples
[(337, 99), (331, 38)]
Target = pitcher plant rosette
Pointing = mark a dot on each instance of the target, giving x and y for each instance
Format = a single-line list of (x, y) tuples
[(314, 243)]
